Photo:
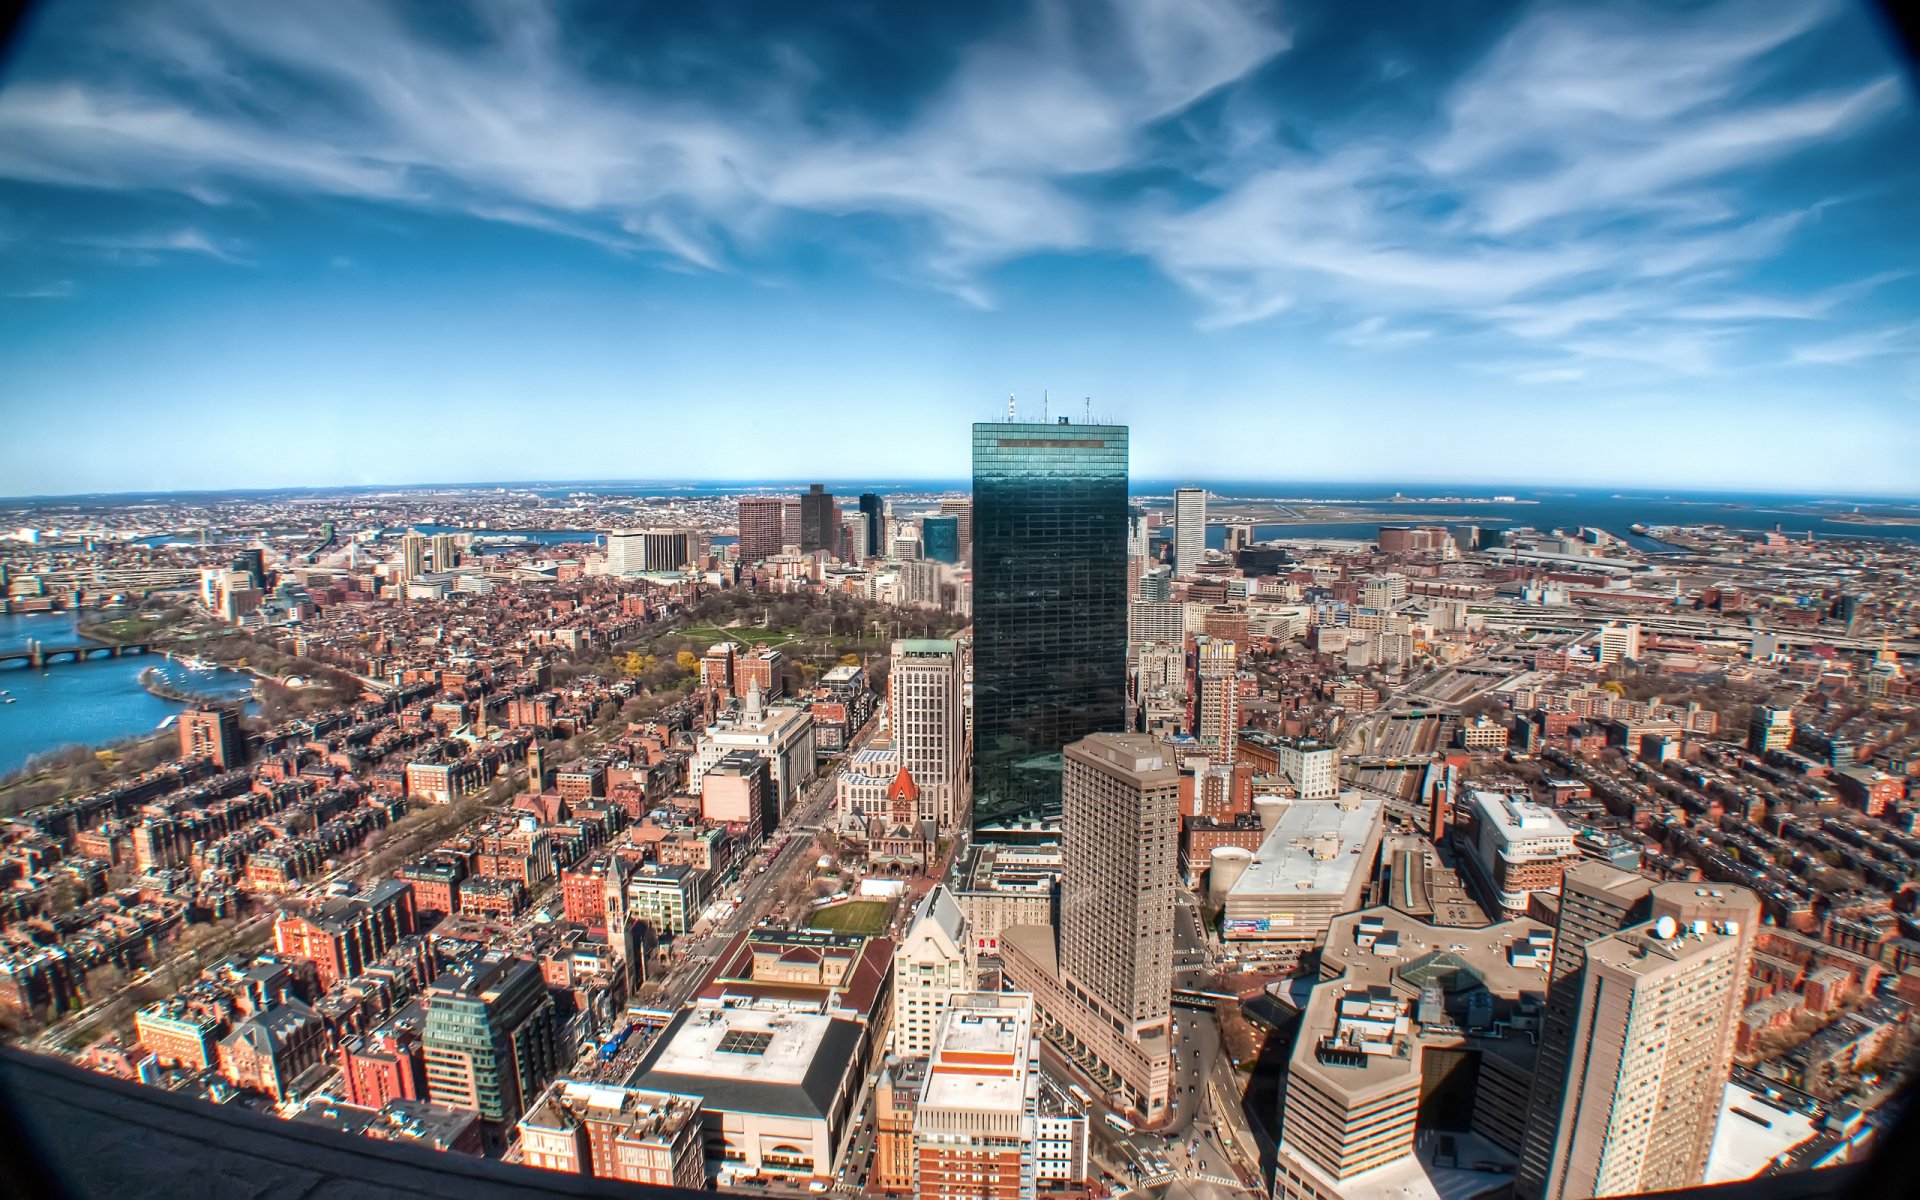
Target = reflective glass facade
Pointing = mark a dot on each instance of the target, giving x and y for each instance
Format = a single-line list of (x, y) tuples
[(940, 539), (1049, 605)]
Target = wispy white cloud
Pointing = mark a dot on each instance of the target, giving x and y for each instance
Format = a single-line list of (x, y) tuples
[(1860, 346), (59, 289), (1374, 333), (157, 246), (1575, 193)]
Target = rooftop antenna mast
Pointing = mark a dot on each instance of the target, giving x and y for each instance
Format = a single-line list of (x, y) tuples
[(1009, 408), (1087, 416), (1045, 395)]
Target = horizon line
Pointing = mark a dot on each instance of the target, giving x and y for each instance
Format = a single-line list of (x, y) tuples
[(947, 482)]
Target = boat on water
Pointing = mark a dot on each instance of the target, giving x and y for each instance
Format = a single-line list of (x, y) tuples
[(195, 663), (1638, 528)]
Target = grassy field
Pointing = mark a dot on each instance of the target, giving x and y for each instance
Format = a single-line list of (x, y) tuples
[(745, 636), (854, 916), (123, 629)]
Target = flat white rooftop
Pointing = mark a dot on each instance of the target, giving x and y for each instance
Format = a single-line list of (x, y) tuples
[(1751, 1134), (754, 1045), (980, 1061), (1313, 849), (1512, 819)]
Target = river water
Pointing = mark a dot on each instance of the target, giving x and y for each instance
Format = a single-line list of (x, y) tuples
[(87, 703)]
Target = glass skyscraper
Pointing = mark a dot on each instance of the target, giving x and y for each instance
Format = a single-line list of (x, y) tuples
[(1049, 606), (940, 538), (874, 510)]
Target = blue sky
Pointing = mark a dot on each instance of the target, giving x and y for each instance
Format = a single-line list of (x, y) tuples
[(248, 244)]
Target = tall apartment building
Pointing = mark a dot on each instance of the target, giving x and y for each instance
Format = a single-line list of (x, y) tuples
[(1049, 605), (976, 1125), (446, 551), (1596, 901), (762, 527), (413, 555), (1189, 529), (1769, 729), (819, 520), (1658, 1010), (213, 733), (1107, 977), (492, 1038), (1162, 621), (1216, 697), (1618, 641), (934, 962), (926, 711)]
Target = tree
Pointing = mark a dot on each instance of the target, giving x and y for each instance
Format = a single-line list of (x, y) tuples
[(687, 661)]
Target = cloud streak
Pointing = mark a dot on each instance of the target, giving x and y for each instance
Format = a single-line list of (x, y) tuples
[(1574, 192)]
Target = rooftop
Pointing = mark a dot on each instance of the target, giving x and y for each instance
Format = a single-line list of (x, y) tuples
[(766, 1060), (1314, 848)]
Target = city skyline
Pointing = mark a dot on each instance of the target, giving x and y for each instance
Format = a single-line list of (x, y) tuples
[(231, 229)]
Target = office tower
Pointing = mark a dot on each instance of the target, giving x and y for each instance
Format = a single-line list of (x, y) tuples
[(1156, 584), (975, 1128), (413, 555), (961, 511), (1106, 974), (790, 521), (1618, 642), (935, 961), (446, 551), (874, 510), (926, 711), (1769, 729), (1120, 799), (940, 538), (762, 532), (644, 551), (1596, 901), (1189, 529), (213, 733), (1049, 604), (1216, 697), (819, 520), (492, 1039), (1652, 1045)]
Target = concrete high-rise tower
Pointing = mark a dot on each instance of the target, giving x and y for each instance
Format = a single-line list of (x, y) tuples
[(1596, 901), (762, 532), (926, 711), (1216, 697), (1189, 529), (1049, 605), (819, 520), (1107, 978), (1652, 1045)]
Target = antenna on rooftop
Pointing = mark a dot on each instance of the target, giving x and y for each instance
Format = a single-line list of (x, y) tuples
[(1087, 417), (1009, 408), (1045, 396)]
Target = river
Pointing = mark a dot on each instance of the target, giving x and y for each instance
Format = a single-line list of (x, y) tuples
[(89, 703)]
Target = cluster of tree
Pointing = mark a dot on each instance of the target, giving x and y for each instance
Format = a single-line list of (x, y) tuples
[(78, 770)]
